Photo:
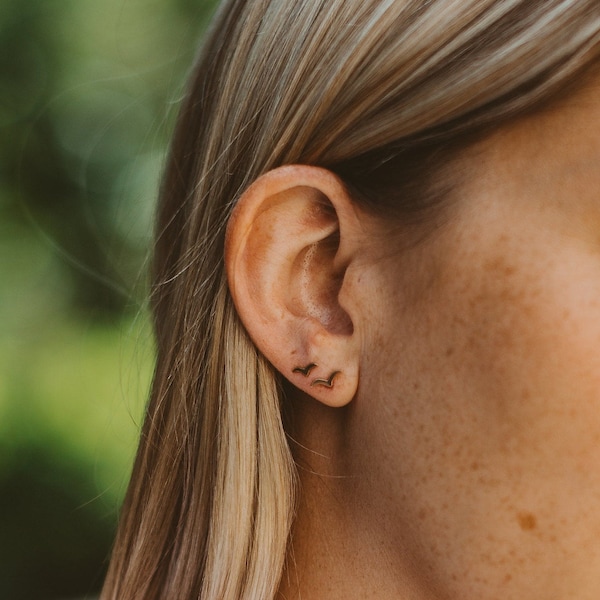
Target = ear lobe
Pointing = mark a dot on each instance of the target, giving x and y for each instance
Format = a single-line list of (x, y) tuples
[(285, 273)]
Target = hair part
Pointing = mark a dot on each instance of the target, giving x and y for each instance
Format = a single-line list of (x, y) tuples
[(386, 93)]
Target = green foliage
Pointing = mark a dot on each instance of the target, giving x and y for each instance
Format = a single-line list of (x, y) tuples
[(88, 92), (71, 403)]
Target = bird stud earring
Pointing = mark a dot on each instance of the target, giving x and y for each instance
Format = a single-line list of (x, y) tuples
[(305, 370), (327, 383)]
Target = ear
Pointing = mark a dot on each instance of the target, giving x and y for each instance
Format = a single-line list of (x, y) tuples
[(289, 243)]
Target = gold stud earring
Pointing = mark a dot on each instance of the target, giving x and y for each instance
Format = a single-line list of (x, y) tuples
[(305, 370), (328, 383)]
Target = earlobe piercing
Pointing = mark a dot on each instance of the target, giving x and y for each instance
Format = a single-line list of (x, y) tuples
[(328, 383), (305, 370)]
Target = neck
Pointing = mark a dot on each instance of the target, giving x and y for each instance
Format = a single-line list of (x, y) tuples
[(336, 550)]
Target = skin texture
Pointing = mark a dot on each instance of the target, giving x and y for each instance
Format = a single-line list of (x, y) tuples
[(467, 463), (484, 428)]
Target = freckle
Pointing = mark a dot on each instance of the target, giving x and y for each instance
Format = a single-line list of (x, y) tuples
[(450, 351), (422, 514), (527, 521), (475, 466), (507, 578)]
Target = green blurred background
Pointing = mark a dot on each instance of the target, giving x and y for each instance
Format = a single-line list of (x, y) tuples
[(88, 94)]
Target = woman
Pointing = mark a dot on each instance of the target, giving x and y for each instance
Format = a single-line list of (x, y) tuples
[(376, 301)]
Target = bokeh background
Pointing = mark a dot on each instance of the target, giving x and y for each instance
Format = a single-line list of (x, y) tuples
[(88, 94)]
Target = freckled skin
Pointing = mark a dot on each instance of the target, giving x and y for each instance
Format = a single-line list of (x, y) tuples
[(475, 437), (467, 466)]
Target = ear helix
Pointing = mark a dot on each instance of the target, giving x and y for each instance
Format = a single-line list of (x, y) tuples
[(327, 383)]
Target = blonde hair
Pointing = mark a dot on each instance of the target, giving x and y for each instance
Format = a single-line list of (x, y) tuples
[(371, 89)]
